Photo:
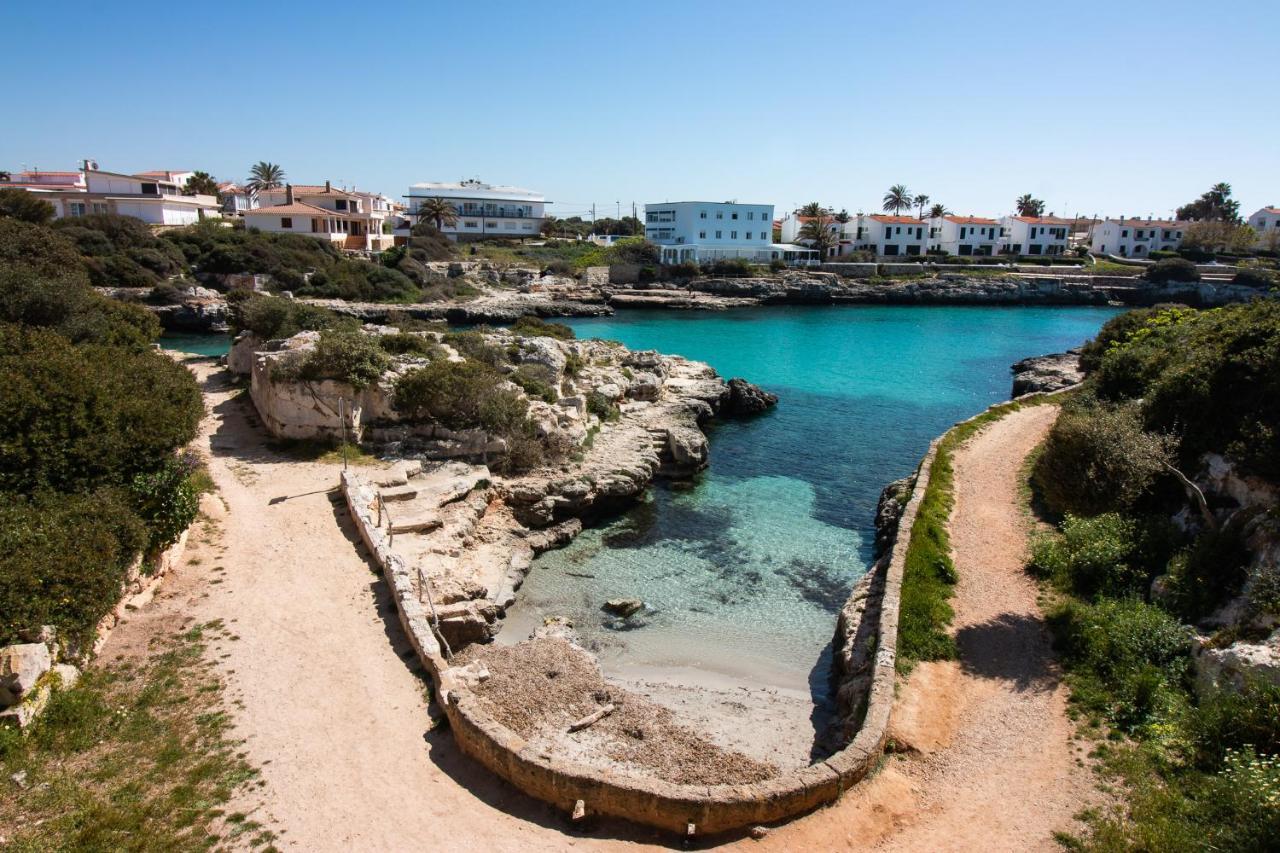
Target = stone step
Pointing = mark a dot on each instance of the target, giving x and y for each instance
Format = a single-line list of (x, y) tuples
[(420, 522), (398, 493)]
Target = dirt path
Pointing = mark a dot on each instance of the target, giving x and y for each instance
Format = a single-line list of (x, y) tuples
[(324, 691)]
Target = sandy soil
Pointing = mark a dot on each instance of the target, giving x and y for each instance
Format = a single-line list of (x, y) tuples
[(325, 693)]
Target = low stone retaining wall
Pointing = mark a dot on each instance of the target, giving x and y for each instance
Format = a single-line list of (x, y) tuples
[(684, 809)]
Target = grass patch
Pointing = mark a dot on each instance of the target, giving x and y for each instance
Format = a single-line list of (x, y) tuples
[(929, 574), (134, 757), (317, 450)]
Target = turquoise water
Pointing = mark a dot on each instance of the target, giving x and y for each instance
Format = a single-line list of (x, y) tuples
[(196, 343), (743, 570)]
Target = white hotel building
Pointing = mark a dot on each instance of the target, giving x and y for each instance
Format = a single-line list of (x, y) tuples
[(484, 210), (1136, 238), (703, 231)]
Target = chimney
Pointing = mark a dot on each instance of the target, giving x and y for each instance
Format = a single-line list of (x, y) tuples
[(326, 186), (288, 193)]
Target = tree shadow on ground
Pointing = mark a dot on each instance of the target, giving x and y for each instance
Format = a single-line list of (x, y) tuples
[(1012, 647)]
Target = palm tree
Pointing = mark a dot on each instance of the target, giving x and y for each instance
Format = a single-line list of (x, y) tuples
[(939, 210), (1028, 205), (920, 201), (200, 183), (264, 176), (819, 234), (813, 208), (843, 217), (897, 198), (438, 210)]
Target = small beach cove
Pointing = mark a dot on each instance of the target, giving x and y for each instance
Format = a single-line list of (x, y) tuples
[(743, 570)]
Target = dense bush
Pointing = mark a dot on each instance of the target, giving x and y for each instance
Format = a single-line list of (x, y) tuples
[(730, 268), (460, 395), (343, 355), (1224, 720), (1098, 458), (359, 281), (28, 207), (471, 344), (1261, 279), (1173, 269), (1116, 331), (167, 500), (1092, 555), (1128, 659), (537, 327), (121, 251), (404, 343), (271, 317), (78, 417), (1211, 573), (63, 558), (1210, 377)]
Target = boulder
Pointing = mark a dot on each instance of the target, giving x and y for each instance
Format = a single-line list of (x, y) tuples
[(748, 399), (21, 666), (1045, 373), (893, 500), (688, 446), (623, 607), (1227, 668)]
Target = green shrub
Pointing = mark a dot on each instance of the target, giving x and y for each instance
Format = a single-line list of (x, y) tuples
[(271, 317), (1212, 377), (167, 500), (345, 355), (537, 327), (573, 364), (1173, 269), (1127, 659), (80, 417), (472, 345), (534, 382), (730, 268), (404, 343), (1260, 279), (1211, 573), (682, 271), (1115, 332), (25, 206), (1091, 556), (602, 407), (460, 395), (354, 281), (63, 559), (1098, 458), (1228, 719)]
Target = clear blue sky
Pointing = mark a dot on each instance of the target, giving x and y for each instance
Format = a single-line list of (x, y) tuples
[(1112, 107)]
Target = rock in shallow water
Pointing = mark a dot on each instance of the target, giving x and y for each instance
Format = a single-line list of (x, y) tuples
[(748, 399), (624, 607), (1045, 373)]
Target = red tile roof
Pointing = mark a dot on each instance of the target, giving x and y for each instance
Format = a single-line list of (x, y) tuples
[(299, 208), (312, 189), (970, 220), (897, 220)]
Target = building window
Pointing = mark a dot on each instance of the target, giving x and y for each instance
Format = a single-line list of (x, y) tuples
[(702, 215), (719, 214), (733, 235), (748, 235), (751, 214), (702, 235), (150, 189), (99, 207), (735, 214), (471, 223), (718, 233), (340, 204), (76, 208), (286, 221)]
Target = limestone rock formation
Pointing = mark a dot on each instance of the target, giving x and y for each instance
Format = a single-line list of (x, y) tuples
[(21, 667), (889, 508), (1047, 373)]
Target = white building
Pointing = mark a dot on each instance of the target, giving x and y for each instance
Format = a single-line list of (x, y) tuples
[(1267, 223), (890, 236), (236, 200), (1136, 238), (350, 220), (966, 235), (703, 231), (485, 210), (792, 227), (155, 200), (1035, 235)]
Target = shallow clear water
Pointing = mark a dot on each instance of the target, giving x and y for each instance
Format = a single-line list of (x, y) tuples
[(199, 344), (743, 571)]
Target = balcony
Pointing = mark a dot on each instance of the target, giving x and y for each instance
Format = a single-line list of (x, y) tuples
[(497, 213)]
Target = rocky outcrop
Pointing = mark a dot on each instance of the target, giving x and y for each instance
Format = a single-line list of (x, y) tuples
[(1044, 373), (748, 399), (893, 499), (1227, 668)]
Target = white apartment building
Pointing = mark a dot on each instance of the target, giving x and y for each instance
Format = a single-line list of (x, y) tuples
[(153, 197), (966, 235), (1267, 223), (1136, 238), (703, 231), (484, 210), (351, 220), (890, 236), (1035, 235)]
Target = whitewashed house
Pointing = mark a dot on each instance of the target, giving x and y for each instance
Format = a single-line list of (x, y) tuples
[(350, 220), (1136, 238), (890, 236), (236, 200), (705, 231), (792, 227), (1035, 235), (1267, 223), (965, 235), (484, 210), (158, 201)]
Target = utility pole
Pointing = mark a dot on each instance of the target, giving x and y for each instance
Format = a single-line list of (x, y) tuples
[(593, 211), (619, 204)]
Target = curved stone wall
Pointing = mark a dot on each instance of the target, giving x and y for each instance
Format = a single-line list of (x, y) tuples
[(684, 809)]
